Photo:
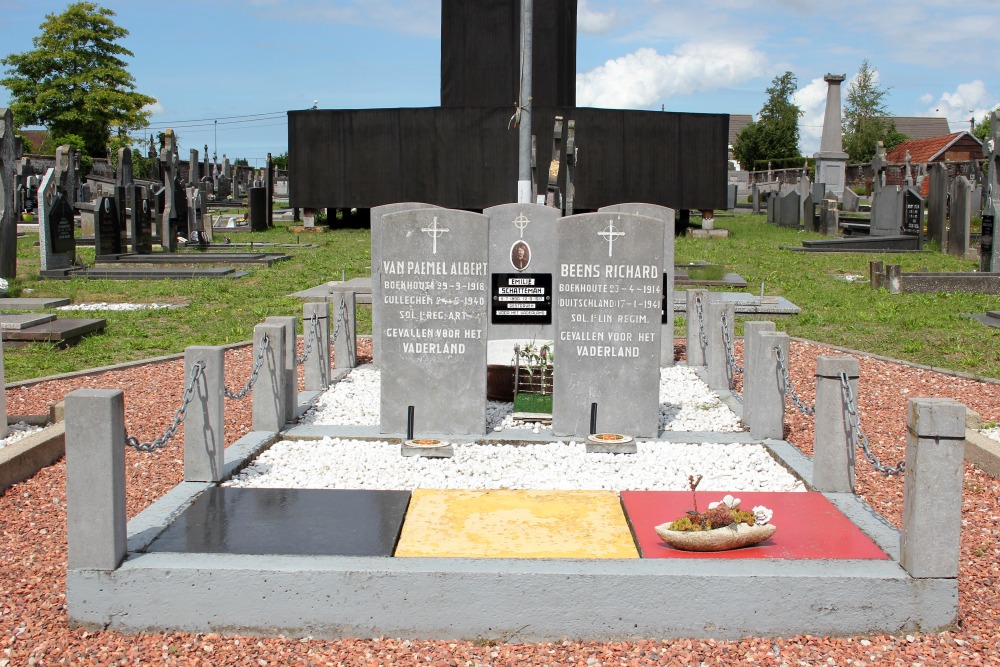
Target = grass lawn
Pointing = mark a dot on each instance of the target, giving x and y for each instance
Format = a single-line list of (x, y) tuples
[(925, 328)]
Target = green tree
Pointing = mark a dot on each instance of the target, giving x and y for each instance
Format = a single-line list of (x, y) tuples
[(75, 81), (280, 161), (774, 136), (866, 117), (981, 130)]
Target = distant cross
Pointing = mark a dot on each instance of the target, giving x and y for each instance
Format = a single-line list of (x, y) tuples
[(610, 234), (434, 231), (521, 222)]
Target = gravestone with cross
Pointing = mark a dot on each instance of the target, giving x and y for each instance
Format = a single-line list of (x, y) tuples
[(668, 218), (522, 261), (433, 309), (608, 300), (376, 261), (989, 249)]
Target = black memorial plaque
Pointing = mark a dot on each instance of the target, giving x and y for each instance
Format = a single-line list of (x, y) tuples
[(986, 244), (142, 223), (107, 231), (913, 213), (521, 298), (60, 221)]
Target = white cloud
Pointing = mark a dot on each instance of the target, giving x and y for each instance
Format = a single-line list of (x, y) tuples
[(640, 79), (591, 21), (968, 100), (154, 108), (811, 99)]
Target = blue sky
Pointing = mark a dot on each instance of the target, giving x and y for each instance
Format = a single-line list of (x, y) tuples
[(225, 71)]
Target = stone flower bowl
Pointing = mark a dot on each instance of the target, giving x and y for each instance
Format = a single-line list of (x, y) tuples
[(717, 539)]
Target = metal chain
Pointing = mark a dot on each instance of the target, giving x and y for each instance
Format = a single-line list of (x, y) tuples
[(699, 307), (857, 438), (731, 366), (312, 333), (789, 388), (728, 340), (161, 442), (257, 363)]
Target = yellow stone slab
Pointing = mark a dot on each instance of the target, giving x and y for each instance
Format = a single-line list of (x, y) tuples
[(507, 523)]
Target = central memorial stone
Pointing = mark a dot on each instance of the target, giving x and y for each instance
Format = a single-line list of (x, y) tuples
[(608, 307), (434, 301)]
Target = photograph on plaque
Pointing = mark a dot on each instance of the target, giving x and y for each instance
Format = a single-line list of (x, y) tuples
[(520, 255)]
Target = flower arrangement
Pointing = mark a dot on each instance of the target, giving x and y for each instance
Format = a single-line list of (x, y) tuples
[(721, 527)]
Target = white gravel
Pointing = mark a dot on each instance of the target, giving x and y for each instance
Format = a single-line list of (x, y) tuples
[(334, 463), (117, 306), (17, 431), (686, 404), (992, 433)]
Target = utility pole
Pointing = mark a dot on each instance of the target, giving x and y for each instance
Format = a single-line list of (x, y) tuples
[(524, 108)]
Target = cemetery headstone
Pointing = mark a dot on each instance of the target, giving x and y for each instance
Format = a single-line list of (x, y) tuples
[(937, 206), (887, 212), (8, 220), (376, 261), (193, 175), (433, 312), (667, 218), (56, 239), (789, 209), (107, 229), (142, 223), (522, 261), (169, 206), (258, 214), (608, 305), (829, 218), (986, 243), (772, 208), (961, 217), (851, 201), (913, 215), (989, 248), (731, 195)]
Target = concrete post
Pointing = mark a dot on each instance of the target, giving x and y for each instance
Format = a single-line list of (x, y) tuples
[(961, 215), (894, 279), (932, 489), (695, 322), (937, 205), (832, 469), (716, 356), (750, 331), (95, 478), (3, 398), (269, 392), (345, 343), (768, 398), (291, 363), (317, 363), (204, 422), (876, 274)]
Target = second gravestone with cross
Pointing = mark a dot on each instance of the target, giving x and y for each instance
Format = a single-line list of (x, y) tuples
[(434, 300), (608, 305)]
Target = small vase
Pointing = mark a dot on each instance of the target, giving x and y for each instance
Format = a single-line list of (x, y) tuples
[(717, 539)]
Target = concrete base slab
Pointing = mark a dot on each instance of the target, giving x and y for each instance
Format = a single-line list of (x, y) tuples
[(22, 459), (696, 233), (744, 303), (17, 321), (31, 303), (508, 523), (362, 288), (56, 331)]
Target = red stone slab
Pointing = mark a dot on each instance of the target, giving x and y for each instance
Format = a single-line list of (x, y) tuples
[(809, 526)]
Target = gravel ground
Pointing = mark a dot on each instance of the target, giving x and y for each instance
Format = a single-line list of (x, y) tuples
[(33, 623)]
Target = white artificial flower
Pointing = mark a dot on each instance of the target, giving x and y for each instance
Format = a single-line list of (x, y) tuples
[(4, 286), (728, 500), (762, 515)]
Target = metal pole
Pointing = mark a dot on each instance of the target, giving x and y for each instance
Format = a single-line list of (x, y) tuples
[(524, 105)]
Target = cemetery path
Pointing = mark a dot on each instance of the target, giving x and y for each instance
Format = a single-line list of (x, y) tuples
[(33, 622)]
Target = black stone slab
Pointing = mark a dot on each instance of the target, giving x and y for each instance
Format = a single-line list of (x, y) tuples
[(154, 273), (864, 244), (235, 258), (31, 303), (337, 522)]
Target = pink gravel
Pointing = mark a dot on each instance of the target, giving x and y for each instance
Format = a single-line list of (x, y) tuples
[(33, 621)]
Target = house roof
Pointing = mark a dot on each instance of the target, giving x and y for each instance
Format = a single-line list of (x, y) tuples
[(917, 127), (738, 121), (923, 151), (36, 137)]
